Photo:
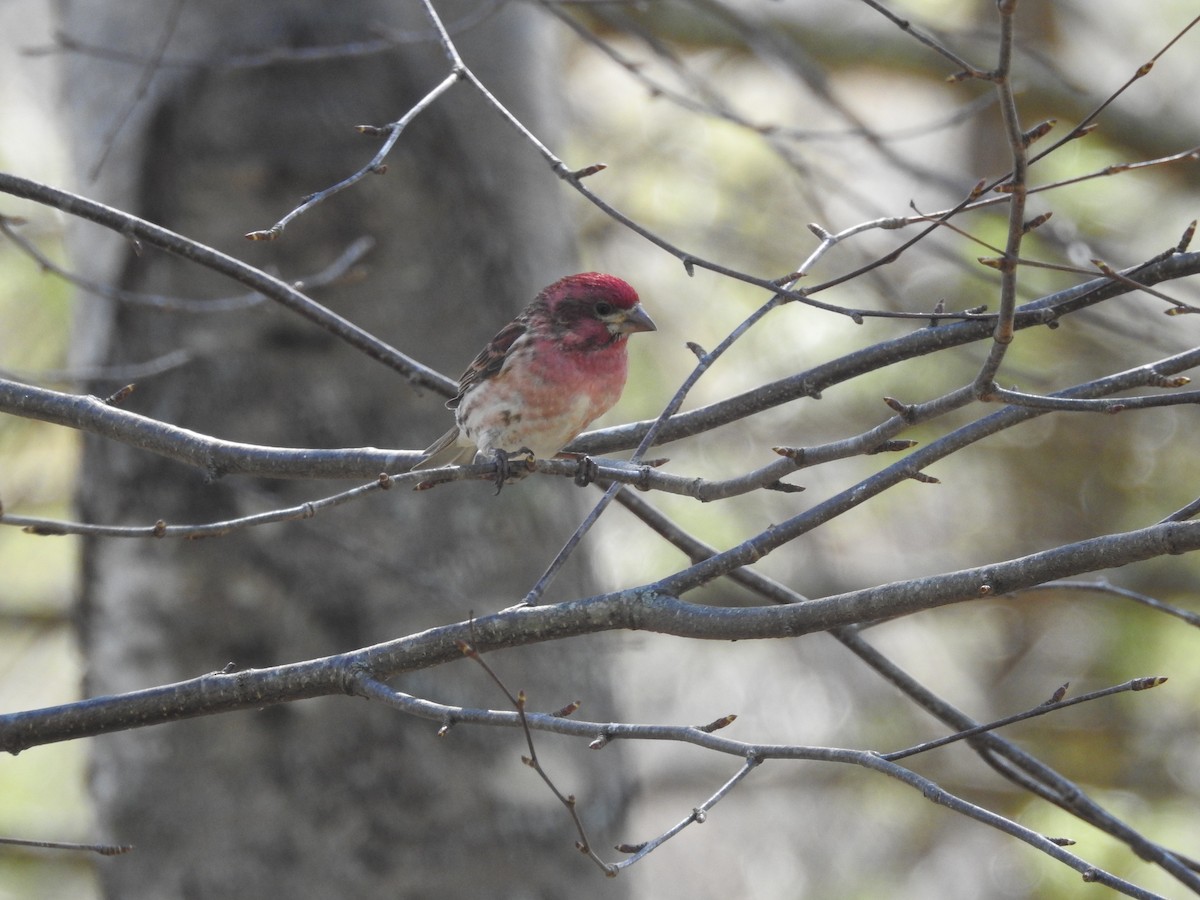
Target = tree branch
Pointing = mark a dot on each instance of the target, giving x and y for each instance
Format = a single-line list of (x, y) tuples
[(641, 609), (269, 286)]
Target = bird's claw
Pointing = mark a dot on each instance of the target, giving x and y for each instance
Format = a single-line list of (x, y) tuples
[(501, 458), (586, 470), (504, 469)]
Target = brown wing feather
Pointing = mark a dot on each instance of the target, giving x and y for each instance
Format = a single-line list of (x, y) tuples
[(490, 359)]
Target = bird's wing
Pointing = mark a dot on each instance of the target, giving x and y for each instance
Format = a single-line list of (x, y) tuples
[(490, 359), (446, 451)]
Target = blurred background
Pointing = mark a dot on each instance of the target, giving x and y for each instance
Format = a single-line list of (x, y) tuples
[(727, 128)]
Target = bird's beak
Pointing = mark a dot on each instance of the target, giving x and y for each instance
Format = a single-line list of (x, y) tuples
[(631, 320)]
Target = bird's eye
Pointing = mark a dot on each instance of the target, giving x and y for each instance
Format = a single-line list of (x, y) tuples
[(603, 308)]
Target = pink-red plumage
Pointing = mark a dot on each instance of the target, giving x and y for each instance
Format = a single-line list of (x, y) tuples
[(547, 374)]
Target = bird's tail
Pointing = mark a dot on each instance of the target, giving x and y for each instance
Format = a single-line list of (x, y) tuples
[(445, 451)]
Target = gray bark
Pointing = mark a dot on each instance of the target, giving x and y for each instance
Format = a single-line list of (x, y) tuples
[(334, 798)]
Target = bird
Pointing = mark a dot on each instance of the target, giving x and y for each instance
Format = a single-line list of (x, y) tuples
[(545, 376)]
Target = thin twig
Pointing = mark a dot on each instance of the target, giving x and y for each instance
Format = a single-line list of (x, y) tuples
[(149, 70), (1101, 586), (1020, 767), (697, 816), (331, 274), (1143, 70), (1015, 188), (161, 529), (753, 754), (168, 362), (1135, 684), (284, 294), (518, 701), (937, 46), (273, 56), (102, 849), (1069, 404), (392, 130)]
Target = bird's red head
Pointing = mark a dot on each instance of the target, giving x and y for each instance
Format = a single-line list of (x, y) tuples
[(593, 309), (594, 286)]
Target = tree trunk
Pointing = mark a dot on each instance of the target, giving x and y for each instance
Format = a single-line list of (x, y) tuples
[(332, 798)]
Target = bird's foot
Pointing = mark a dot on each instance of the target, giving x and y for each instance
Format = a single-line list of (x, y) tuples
[(505, 471), (586, 470)]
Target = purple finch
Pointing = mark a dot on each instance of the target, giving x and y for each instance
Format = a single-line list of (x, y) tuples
[(546, 376)]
